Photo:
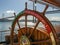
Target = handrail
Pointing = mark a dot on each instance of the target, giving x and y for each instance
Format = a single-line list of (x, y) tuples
[(4, 30), (2, 35)]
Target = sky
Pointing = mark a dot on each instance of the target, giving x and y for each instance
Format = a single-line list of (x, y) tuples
[(19, 5)]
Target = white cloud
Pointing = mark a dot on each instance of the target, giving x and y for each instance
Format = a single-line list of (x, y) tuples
[(10, 11), (55, 18)]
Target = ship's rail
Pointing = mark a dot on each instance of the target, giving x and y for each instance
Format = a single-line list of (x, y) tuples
[(3, 34)]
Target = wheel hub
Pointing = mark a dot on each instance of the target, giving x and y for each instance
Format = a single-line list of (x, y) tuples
[(24, 40)]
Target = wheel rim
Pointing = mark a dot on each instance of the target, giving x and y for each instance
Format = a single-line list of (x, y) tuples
[(41, 18)]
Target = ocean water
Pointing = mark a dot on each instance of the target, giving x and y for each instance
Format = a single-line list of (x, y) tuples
[(5, 26)]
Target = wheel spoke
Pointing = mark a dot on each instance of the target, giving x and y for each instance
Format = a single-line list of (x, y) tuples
[(39, 42), (21, 32), (33, 29), (26, 23), (17, 21), (18, 24)]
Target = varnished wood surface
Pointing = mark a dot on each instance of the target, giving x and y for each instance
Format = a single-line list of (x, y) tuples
[(39, 37)]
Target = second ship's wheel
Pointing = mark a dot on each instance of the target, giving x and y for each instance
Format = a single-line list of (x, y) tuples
[(28, 35)]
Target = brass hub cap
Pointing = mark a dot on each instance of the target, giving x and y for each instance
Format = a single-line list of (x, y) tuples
[(24, 40)]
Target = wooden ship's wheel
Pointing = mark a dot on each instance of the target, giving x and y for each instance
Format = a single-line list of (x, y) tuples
[(33, 35)]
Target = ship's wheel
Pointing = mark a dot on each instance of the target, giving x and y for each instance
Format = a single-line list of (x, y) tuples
[(30, 35)]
